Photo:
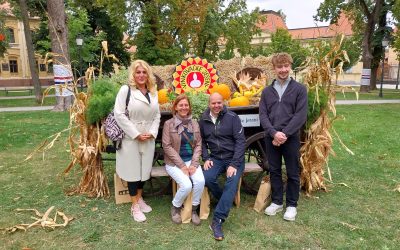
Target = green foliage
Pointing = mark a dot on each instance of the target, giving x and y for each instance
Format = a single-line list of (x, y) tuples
[(41, 39), (101, 22), (281, 41), (102, 99), (199, 102), (352, 46), (153, 45), (121, 78), (315, 106), (78, 25), (3, 43), (167, 30)]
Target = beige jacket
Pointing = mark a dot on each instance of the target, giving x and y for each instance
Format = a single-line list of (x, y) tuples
[(135, 159), (171, 143)]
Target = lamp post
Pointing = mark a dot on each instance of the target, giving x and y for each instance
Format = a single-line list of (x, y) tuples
[(79, 42), (385, 42)]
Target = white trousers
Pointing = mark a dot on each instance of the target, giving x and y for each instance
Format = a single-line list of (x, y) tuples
[(185, 184)]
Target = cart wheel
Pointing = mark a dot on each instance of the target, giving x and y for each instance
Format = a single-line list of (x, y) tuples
[(255, 152)]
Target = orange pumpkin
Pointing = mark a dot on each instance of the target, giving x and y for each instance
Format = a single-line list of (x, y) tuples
[(224, 90), (239, 101), (163, 96)]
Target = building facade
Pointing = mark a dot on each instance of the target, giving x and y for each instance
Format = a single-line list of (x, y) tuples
[(14, 66), (343, 26)]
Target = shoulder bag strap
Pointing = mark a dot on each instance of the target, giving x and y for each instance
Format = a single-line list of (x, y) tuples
[(188, 139), (128, 97)]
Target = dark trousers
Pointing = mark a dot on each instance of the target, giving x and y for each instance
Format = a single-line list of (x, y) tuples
[(134, 186), (226, 195), (290, 153)]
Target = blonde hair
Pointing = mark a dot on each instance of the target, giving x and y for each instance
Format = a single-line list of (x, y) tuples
[(281, 58), (151, 82)]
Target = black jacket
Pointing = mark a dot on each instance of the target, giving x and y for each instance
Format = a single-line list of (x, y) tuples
[(225, 139), (287, 115)]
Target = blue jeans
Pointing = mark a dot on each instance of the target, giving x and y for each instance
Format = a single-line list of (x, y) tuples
[(226, 195)]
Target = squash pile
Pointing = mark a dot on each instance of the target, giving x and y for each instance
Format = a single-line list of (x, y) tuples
[(249, 91)]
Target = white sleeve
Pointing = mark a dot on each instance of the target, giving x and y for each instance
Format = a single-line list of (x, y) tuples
[(119, 112)]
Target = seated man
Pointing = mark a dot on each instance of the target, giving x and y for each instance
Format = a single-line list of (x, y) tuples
[(223, 146)]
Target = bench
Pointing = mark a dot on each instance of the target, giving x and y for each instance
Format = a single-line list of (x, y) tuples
[(250, 167), (19, 89)]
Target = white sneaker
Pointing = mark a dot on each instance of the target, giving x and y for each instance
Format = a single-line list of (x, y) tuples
[(273, 209), (290, 214)]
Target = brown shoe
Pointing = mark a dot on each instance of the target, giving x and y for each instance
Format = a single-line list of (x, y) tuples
[(195, 217), (176, 214)]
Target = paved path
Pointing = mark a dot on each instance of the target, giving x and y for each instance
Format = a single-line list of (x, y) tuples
[(35, 108), (339, 102), (349, 102), (21, 97)]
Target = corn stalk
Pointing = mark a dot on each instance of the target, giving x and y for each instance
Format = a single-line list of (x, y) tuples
[(320, 74)]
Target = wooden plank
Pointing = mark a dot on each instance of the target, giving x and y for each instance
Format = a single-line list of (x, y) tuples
[(252, 167), (158, 172)]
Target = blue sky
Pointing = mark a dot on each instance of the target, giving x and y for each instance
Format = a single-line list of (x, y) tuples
[(299, 13)]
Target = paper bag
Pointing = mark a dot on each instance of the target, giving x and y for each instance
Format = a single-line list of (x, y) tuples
[(263, 196), (205, 205), (121, 190), (186, 211)]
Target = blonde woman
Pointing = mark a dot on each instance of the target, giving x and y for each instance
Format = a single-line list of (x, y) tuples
[(135, 158)]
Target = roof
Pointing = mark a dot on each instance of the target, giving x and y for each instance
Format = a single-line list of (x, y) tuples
[(343, 26), (6, 8), (274, 21)]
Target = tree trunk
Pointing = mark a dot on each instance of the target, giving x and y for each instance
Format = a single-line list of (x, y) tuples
[(31, 54), (367, 56), (374, 74), (59, 46)]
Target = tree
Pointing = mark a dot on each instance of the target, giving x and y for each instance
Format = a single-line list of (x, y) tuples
[(166, 30), (281, 41), (31, 54), (396, 16), (60, 49), (3, 36), (365, 16)]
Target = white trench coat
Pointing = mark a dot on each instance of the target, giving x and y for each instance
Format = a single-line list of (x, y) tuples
[(135, 159)]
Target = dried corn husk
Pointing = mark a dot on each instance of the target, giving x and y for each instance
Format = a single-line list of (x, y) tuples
[(45, 221), (314, 154)]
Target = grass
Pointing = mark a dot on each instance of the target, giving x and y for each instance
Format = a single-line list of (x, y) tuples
[(30, 102), (388, 94), (360, 210)]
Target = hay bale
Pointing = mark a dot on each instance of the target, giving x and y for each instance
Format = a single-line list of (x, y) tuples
[(226, 69)]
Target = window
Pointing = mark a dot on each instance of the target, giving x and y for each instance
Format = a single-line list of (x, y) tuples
[(42, 67), (50, 68), (5, 67), (11, 37), (13, 66)]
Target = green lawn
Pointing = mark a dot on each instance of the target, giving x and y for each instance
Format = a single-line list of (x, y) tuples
[(387, 94), (30, 102), (360, 210)]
